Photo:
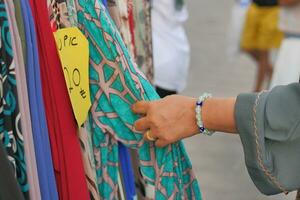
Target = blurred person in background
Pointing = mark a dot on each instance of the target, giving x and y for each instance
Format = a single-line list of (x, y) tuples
[(260, 35), (171, 49), (235, 28), (287, 67)]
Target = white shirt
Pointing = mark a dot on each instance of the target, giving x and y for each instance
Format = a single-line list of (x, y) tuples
[(171, 49)]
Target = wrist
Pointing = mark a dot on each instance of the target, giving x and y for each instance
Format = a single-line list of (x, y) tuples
[(218, 114), (207, 113), (203, 129)]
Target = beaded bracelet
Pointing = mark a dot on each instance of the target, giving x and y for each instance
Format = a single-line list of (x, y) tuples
[(198, 109)]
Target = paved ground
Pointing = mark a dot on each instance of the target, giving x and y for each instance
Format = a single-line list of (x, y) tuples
[(218, 161)]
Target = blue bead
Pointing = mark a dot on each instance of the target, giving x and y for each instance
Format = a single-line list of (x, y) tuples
[(199, 103), (202, 129)]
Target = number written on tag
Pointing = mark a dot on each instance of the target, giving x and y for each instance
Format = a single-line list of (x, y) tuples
[(73, 51)]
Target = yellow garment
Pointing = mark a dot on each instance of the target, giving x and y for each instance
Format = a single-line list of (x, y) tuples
[(261, 28)]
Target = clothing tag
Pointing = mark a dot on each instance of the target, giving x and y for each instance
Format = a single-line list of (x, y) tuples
[(73, 48)]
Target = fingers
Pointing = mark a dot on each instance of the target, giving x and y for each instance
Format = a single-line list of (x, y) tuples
[(161, 143), (140, 107), (142, 124), (152, 137)]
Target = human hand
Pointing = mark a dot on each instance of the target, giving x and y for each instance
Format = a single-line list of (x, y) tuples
[(169, 119)]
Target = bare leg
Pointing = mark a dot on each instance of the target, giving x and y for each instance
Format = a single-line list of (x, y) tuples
[(264, 71), (253, 53)]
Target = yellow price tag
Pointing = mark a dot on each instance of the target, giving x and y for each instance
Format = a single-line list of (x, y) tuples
[(74, 55)]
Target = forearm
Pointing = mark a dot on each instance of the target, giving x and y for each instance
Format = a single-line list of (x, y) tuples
[(218, 114), (268, 125)]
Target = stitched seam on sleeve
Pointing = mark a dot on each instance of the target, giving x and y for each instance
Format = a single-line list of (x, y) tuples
[(266, 171)]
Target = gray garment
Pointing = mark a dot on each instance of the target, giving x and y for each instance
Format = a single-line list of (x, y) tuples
[(9, 188), (273, 154)]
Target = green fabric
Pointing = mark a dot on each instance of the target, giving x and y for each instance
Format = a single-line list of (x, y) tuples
[(277, 143), (20, 24), (116, 83)]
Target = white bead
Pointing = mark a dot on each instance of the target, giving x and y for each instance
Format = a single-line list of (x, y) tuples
[(198, 110)]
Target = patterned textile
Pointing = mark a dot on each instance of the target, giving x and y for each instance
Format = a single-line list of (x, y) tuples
[(88, 160), (126, 168), (59, 17), (72, 13), (138, 40), (123, 10), (143, 36), (116, 83), (115, 14), (84, 132), (10, 123)]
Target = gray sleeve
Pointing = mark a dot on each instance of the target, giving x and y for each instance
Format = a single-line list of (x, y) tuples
[(272, 151)]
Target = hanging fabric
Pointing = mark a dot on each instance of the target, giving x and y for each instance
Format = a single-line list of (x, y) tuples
[(131, 25), (104, 3), (11, 131), (133, 20), (39, 124), (9, 188), (127, 172), (84, 132), (72, 13), (59, 17), (86, 167), (20, 24), (115, 14), (34, 190), (115, 84), (123, 7), (65, 146), (89, 161), (143, 36)]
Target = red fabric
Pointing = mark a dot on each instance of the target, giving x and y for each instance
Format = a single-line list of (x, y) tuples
[(131, 25), (68, 165)]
